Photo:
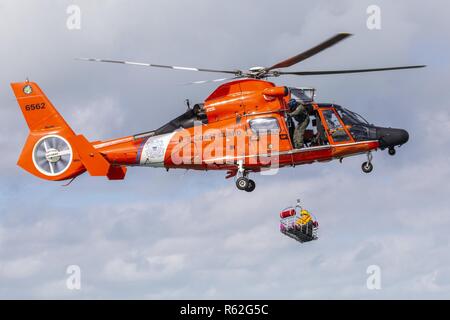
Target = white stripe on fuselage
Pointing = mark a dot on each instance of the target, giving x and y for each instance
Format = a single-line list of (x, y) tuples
[(154, 150)]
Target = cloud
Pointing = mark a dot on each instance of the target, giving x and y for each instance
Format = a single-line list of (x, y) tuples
[(153, 267), (100, 118), (20, 268)]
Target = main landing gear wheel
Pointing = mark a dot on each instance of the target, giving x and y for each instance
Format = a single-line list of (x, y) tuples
[(367, 167), (391, 151), (242, 183), (250, 186)]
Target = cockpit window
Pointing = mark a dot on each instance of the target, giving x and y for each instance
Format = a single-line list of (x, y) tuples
[(359, 128), (335, 128)]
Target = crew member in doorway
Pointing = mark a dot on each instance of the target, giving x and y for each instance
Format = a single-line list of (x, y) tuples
[(300, 113)]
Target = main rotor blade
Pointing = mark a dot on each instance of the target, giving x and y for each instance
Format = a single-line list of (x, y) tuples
[(311, 52), (235, 72), (315, 73), (210, 81)]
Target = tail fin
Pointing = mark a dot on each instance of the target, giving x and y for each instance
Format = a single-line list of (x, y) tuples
[(39, 112), (52, 150)]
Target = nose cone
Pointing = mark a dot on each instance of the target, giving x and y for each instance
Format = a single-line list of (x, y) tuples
[(390, 137)]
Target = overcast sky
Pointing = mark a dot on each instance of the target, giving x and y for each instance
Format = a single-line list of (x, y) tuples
[(181, 234)]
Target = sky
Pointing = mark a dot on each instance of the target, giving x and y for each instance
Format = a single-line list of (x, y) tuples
[(185, 234)]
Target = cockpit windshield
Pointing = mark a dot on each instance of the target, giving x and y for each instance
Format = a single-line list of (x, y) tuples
[(350, 117), (359, 128)]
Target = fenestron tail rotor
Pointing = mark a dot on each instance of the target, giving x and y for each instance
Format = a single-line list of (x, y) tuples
[(52, 155), (274, 70)]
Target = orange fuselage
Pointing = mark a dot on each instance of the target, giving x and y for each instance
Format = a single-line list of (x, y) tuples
[(243, 125), (227, 136)]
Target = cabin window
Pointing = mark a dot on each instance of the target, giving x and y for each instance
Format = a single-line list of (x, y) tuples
[(264, 125)]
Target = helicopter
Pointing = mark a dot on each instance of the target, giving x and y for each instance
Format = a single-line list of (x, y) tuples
[(242, 127)]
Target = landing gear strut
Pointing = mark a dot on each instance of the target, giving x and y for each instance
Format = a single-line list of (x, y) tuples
[(367, 167), (243, 182)]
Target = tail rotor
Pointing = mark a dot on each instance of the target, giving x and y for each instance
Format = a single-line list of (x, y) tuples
[(52, 155)]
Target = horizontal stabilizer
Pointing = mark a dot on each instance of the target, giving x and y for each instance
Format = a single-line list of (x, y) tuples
[(93, 161)]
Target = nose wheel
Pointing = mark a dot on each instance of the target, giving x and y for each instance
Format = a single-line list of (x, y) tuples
[(367, 166)]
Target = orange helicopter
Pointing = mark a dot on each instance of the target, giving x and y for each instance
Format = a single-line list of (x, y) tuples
[(244, 126)]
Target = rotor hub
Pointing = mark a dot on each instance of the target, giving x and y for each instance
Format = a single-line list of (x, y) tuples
[(257, 72), (257, 69)]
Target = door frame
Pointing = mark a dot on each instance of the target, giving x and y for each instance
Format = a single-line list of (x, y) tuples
[(327, 129)]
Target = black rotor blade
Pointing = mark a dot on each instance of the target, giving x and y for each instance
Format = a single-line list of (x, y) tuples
[(235, 72), (311, 52), (315, 73)]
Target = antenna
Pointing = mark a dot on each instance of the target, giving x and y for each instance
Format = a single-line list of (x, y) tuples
[(299, 205)]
